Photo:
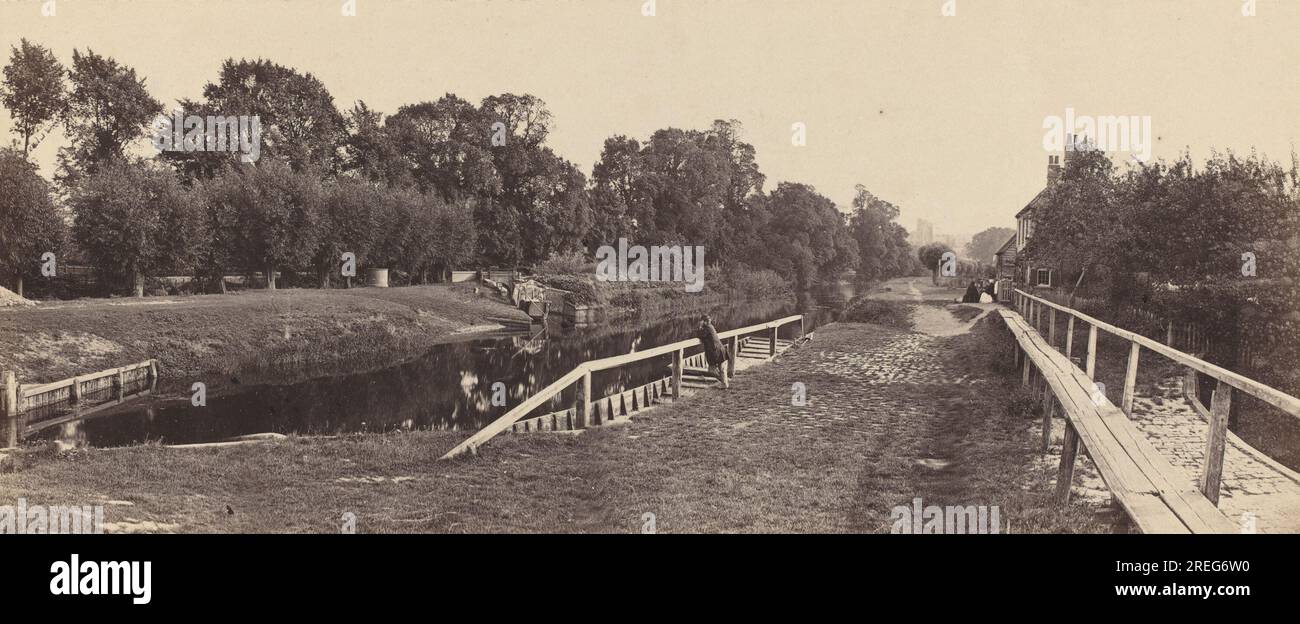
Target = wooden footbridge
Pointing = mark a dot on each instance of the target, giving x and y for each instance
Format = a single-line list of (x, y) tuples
[(1154, 495), (754, 343)]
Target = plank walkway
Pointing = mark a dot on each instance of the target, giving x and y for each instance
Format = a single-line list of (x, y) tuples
[(1254, 486), (1138, 477), (1166, 435)]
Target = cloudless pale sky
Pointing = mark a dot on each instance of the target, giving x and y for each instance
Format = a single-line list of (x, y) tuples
[(942, 116)]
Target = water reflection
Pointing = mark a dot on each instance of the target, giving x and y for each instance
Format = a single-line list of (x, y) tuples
[(450, 387)]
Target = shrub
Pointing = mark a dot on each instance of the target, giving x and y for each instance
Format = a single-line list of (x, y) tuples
[(574, 263), (888, 313)]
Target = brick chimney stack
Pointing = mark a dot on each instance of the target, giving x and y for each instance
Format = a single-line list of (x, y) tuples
[(1053, 169)]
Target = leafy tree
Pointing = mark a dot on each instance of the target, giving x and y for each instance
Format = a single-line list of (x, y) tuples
[(1077, 220), (445, 146), (277, 212), (300, 123), (454, 235), (984, 245), (370, 150), (544, 194), (803, 237), (421, 233), (108, 108), (930, 255), (33, 92), (348, 223), (134, 220), (619, 191), (30, 223), (680, 185), (882, 242)]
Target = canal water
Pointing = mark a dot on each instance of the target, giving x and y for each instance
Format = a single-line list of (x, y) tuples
[(449, 387)]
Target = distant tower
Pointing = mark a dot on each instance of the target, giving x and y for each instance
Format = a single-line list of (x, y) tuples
[(924, 232)]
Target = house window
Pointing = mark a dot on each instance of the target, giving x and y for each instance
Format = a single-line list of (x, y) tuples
[(1044, 277)]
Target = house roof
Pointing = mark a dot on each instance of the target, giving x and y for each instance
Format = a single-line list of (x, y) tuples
[(1007, 246), (1040, 197)]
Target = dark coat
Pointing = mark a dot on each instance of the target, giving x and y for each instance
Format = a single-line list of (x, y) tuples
[(972, 294), (714, 351)]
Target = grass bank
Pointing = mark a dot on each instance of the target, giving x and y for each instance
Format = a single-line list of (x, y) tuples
[(216, 337)]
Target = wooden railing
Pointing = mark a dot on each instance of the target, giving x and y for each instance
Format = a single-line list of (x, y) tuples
[(29, 407), (581, 377), (1032, 309)]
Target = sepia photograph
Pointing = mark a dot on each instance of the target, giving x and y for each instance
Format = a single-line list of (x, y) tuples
[(359, 267)]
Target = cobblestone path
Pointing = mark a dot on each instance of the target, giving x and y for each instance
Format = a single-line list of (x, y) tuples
[(1253, 485), (889, 415)]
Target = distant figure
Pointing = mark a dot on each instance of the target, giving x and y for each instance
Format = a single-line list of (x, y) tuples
[(988, 296), (972, 294), (714, 352)]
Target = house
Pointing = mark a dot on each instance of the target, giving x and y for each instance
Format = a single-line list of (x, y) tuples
[(1042, 275), (1004, 266)]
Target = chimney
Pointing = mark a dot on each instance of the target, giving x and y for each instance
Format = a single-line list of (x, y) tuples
[(1076, 143), (1053, 169)]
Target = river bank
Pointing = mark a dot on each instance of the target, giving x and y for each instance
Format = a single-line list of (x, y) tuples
[(213, 338)]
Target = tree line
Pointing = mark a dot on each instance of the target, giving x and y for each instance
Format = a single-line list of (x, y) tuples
[(434, 185)]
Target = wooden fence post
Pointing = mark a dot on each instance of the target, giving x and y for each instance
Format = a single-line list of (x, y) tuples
[(1191, 386), (76, 391), (1169, 333), (771, 349), (1051, 331), (1069, 337), (1212, 471), (583, 400), (1092, 351), (119, 384), (9, 408), (1065, 476), (735, 353), (1130, 378), (1049, 408), (677, 373), (1025, 378)]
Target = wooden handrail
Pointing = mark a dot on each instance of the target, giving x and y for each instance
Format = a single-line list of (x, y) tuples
[(1270, 395), (621, 360), (583, 372)]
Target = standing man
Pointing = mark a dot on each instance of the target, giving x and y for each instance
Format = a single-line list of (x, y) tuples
[(714, 351)]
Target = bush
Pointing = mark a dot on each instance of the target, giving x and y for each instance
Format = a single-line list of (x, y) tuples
[(1022, 404), (743, 282), (575, 263), (887, 313), (583, 291)]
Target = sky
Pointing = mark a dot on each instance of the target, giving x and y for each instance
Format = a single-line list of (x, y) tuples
[(942, 115)]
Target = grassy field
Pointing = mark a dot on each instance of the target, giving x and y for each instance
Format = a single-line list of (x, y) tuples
[(714, 462), (220, 336)]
